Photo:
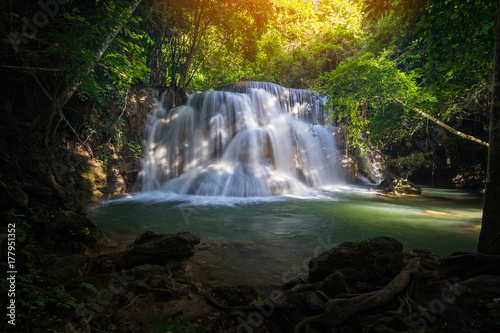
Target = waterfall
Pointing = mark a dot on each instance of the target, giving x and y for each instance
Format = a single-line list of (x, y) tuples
[(242, 140)]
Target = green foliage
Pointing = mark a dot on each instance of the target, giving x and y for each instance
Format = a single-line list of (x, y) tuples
[(136, 149), (195, 39), (453, 50), (41, 301), (303, 40), (183, 325), (494, 310), (124, 63), (103, 153), (69, 41), (108, 131), (67, 51), (448, 43), (364, 92), (289, 42), (88, 286)]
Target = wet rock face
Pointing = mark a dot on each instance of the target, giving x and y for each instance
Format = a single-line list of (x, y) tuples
[(376, 260), (136, 113), (158, 249)]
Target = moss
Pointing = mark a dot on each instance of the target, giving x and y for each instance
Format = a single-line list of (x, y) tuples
[(334, 284), (378, 259), (96, 174), (399, 187)]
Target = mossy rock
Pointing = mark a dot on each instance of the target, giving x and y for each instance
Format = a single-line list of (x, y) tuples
[(406, 187), (97, 175), (379, 259), (334, 284), (399, 187), (376, 259)]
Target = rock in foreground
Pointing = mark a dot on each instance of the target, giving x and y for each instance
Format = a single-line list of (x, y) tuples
[(376, 259), (158, 249)]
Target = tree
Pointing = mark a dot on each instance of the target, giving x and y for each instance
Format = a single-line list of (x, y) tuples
[(80, 47), (306, 38), (489, 241), (365, 93), (188, 33), (383, 107), (447, 43), (63, 97)]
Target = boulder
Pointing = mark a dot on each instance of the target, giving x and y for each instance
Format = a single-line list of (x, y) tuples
[(158, 249), (399, 187), (377, 259), (334, 283)]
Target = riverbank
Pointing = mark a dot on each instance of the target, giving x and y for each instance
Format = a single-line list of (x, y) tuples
[(372, 286)]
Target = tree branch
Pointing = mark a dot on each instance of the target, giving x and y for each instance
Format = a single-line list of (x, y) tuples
[(440, 123)]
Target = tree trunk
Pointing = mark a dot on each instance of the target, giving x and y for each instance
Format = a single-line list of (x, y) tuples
[(489, 241), (199, 30), (63, 98), (192, 50)]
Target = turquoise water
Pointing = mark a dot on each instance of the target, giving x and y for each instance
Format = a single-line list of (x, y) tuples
[(443, 221)]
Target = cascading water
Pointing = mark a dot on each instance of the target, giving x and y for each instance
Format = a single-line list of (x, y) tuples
[(246, 141), (242, 140)]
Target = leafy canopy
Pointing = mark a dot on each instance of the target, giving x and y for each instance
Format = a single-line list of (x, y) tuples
[(364, 92), (305, 38)]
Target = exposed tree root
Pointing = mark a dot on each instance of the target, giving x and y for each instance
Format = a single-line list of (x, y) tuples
[(480, 274), (340, 309)]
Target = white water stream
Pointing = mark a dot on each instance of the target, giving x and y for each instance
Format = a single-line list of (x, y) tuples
[(240, 145)]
